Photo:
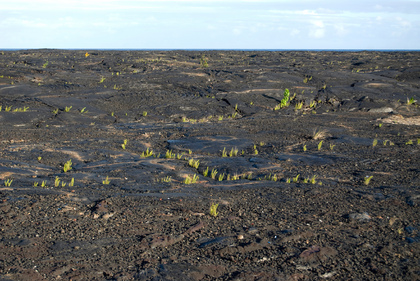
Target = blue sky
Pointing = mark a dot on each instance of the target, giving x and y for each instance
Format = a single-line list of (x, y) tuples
[(210, 24)]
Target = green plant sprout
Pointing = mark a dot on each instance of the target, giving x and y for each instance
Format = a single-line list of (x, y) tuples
[(191, 180), (8, 108), (124, 144), (57, 182), (36, 184), (288, 180), (313, 179), (8, 182), (273, 177), (220, 118), (206, 172), (295, 179), (55, 111), (204, 61), (249, 177), (166, 179), (67, 166), (144, 113), (102, 79), (224, 153), (21, 109), (299, 105), (233, 152), (213, 210), (194, 163), (169, 154), (43, 183), (374, 143), (380, 125), (304, 148), (332, 146), (213, 174), (83, 110), (221, 176), (67, 109), (367, 180), (146, 153), (179, 156), (320, 145), (285, 101), (409, 142), (45, 64), (106, 181), (71, 184), (39, 158), (63, 184), (312, 104), (411, 101), (418, 141)]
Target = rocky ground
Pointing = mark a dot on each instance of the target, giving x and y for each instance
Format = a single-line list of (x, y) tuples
[(180, 165)]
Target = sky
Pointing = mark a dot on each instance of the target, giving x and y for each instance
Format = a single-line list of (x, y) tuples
[(210, 24)]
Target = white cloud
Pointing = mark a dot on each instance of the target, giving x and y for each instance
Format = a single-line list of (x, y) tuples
[(294, 32), (317, 33), (318, 23), (340, 30)]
